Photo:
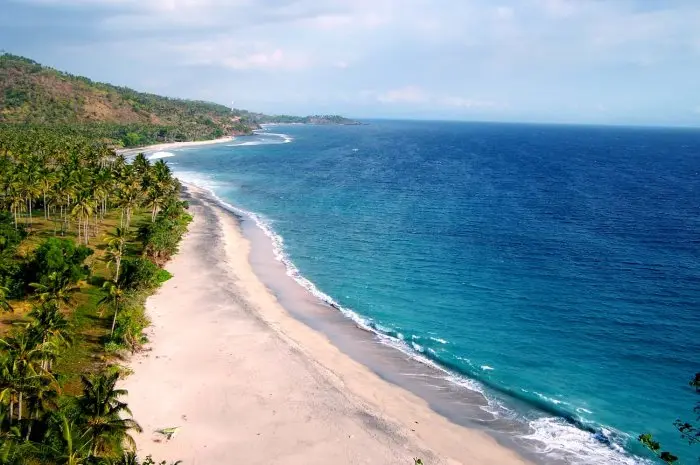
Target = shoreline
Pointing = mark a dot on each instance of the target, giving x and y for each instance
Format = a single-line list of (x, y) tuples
[(172, 145), (282, 383)]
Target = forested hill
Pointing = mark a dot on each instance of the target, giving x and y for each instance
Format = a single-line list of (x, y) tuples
[(38, 95), (35, 94)]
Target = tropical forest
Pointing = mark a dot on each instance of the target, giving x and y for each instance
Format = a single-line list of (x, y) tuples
[(83, 238)]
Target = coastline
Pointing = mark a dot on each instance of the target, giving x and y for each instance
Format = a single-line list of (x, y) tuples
[(231, 367), (172, 145)]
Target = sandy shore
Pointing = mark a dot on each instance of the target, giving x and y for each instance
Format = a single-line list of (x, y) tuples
[(172, 145), (247, 383)]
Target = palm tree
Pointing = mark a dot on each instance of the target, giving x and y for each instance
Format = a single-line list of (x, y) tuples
[(128, 199), (30, 186), (83, 208), (115, 296), (74, 447), (46, 183), (106, 419), (24, 362), (4, 302), (50, 326), (57, 288), (115, 251)]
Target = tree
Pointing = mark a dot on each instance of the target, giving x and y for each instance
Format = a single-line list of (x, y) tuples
[(106, 419), (56, 288), (4, 303), (22, 365), (83, 209), (50, 326), (58, 255), (115, 295), (115, 251)]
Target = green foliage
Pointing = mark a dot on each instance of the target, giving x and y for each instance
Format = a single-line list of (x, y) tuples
[(163, 275), (74, 181), (139, 274), (38, 95), (161, 237), (60, 256), (11, 270), (128, 331)]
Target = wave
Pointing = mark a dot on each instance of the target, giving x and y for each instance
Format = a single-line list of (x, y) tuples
[(558, 432), (159, 155), (285, 138)]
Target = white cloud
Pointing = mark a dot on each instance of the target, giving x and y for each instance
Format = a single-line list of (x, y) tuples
[(536, 55), (460, 102), (417, 95), (228, 52), (407, 94)]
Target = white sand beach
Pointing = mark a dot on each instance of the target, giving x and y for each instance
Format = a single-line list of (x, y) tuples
[(173, 145), (245, 383)]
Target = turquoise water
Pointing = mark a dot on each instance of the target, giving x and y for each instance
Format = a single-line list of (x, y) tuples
[(557, 266)]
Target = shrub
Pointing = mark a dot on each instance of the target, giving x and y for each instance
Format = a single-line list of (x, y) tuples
[(139, 274), (58, 255)]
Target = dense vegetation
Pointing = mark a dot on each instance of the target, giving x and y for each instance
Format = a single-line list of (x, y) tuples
[(313, 119), (83, 235), (32, 94)]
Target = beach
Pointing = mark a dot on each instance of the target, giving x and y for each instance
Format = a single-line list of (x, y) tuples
[(245, 382), (172, 145)]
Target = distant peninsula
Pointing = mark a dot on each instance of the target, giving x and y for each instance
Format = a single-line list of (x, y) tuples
[(313, 119), (37, 95)]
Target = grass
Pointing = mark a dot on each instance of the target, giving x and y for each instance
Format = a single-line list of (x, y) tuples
[(91, 323)]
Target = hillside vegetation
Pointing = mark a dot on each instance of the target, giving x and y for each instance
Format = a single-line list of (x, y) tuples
[(32, 94), (38, 95)]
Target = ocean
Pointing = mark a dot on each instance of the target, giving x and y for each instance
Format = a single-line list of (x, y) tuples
[(552, 271)]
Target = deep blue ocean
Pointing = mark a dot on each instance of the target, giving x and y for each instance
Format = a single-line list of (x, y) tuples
[(556, 266)]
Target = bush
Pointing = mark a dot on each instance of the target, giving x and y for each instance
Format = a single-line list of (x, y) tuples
[(128, 332), (58, 255), (161, 238), (139, 274)]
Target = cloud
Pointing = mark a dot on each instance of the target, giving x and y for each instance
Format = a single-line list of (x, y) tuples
[(407, 94), (416, 95), (227, 52), (459, 102), (519, 58)]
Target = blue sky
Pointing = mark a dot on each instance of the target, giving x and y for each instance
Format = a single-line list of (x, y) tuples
[(591, 61)]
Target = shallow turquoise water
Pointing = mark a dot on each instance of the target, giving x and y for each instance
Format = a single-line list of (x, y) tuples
[(556, 265)]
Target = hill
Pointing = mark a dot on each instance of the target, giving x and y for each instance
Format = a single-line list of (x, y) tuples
[(38, 95)]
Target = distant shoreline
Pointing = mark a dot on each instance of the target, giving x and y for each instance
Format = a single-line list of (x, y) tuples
[(172, 145)]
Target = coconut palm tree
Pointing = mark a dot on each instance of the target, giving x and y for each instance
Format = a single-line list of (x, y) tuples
[(50, 326), (128, 199), (74, 447), (46, 182), (4, 302), (24, 363), (57, 288), (106, 419), (114, 296), (83, 208), (115, 249)]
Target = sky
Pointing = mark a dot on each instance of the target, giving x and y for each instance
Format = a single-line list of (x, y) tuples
[(562, 61)]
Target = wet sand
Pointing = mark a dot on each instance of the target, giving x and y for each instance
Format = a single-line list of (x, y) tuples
[(246, 382)]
